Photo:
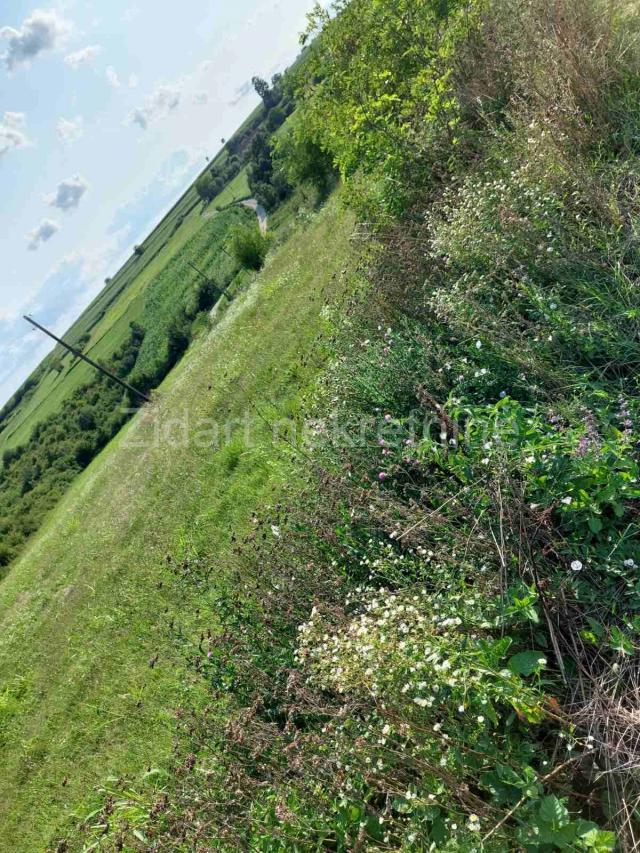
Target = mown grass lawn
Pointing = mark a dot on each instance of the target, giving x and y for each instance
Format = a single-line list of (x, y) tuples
[(86, 608)]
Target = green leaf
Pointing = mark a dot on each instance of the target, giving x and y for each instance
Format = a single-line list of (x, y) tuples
[(496, 650), (595, 525), (619, 641), (438, 832), (526, 663), (599, 840), (597, 627), (553, 812), (589, 637)]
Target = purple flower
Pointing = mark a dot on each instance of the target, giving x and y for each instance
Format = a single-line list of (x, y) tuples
[(624, 413), (382, 475), (590, 441)]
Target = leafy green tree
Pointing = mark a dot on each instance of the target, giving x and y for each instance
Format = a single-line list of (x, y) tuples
[(269, 96), (275, 119), (205, 187), (302, 160), (377, 91), (86, 419)]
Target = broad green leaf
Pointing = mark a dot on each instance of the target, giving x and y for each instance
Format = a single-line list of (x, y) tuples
[(599, 840), (526, 663), (553, 812)]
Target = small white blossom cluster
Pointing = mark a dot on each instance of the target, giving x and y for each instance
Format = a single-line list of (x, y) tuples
[(478, 230), (465, 226), (421, 653), (419, 666)]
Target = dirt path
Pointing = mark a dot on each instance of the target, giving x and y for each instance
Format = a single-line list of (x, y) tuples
[(252, 204), (259, 211)]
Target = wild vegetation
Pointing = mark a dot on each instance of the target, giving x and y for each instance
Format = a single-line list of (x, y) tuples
[(427, 635), (443, 653)]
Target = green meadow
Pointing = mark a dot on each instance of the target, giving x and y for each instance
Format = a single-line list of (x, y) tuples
[(89, 604)]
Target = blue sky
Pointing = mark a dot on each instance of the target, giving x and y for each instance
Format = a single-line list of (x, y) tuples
[(107, 110)]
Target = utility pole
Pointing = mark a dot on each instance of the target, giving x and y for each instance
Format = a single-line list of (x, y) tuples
[(90, 361), (209, 281)]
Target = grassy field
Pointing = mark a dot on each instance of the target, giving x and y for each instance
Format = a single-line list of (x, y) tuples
[(236, 190), (104, 324), (91, 670)]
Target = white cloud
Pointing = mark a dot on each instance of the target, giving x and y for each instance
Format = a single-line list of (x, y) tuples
[(134, 81), (41, 31), (130, 14), (70, 130), (160, 103), (68, 193), (112, 77), (12, 133), (180, 165), (200, 98), (84, 56), (44, 232)]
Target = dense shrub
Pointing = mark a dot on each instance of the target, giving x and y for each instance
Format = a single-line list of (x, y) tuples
[(248, 246)]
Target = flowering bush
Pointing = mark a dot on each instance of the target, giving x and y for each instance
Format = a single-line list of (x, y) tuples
[(523, 256), (436, 740)]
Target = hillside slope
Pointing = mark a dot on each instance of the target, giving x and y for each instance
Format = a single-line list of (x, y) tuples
[(91, 670)]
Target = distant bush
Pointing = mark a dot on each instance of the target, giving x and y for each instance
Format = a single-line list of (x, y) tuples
[(23, 391), (178, 340), (249, 246), (267, 184), (302, 160), (6, 555)]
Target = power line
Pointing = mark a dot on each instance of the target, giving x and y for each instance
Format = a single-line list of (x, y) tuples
[(209, 280), (90, 361)]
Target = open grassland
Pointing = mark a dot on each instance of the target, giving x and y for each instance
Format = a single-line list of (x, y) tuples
[(94, 624), (236, 190)]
